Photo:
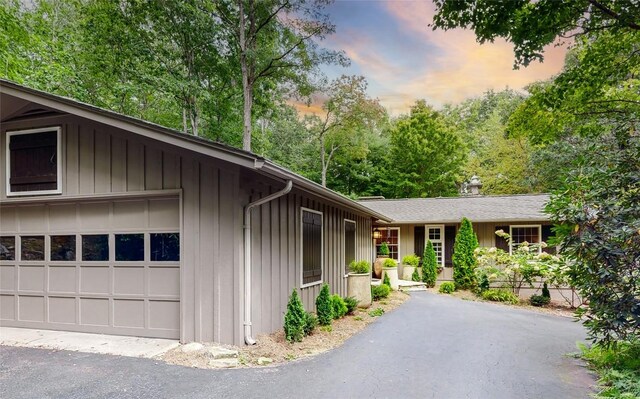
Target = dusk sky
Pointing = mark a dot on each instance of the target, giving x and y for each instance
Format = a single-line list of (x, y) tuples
[(391, 44)]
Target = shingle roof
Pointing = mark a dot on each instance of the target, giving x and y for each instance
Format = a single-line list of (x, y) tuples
[(507, 208)]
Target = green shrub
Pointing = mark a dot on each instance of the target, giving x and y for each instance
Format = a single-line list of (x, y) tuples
[(384, 249), (359, 267), (618, 367), (339, 307), (429, 265), (447, 287), (416, 275), (411, 260), (311, 322), (464, 260), (389, 263), (483, 284), (385, 280), (295, 318), (376, 312), (545, 291), (539, 300), (324, 306), (380, 291), (497, 295), (352, 304)]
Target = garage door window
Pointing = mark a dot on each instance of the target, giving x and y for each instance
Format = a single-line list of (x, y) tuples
[(33, 162), (130, 247), (63, 248), (7, 248), (95, 247), (165, 247), (32, 248)]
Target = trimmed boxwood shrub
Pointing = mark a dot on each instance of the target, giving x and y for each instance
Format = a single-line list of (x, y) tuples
[(295, 319), (411, 260), (389, 263), (447, 287), (379, 292), (429, 265), (339, 307), (310, 324), (539, 300), (352, 304), (386, 281), (497, 295), (359, 267), (415, 276), (324, 306), (384, 249)]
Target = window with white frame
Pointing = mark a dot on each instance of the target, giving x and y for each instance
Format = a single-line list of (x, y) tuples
[(349, 243), (33, 164), (435, 234), (526, 233), (390, 235), (312, 246)]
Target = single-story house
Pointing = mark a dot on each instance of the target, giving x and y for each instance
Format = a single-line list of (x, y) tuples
[(438, 219), (110, 224)]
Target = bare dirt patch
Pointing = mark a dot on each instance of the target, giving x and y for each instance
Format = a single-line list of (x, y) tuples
[(555, 308), (273, 349)]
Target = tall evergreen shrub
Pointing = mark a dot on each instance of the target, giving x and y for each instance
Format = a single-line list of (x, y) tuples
[(324, 306), (429, 265), (464, 259), (295, 319)]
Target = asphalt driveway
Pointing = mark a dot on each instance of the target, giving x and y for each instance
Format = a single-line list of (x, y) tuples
[(431, 347)]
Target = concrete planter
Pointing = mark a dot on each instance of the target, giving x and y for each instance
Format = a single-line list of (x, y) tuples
[(407, 272), (392, 272), (359, 287), (377, 266)]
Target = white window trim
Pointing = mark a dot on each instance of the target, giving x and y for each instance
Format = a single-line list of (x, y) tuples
[(344, 239), (302, 285), (539, 226), (10, 134), (441, 240), (375, 249)]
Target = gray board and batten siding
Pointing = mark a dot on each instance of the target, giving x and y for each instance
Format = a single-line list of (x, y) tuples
[(122, 176)]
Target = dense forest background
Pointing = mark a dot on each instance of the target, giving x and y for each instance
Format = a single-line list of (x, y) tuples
[(240, 72)]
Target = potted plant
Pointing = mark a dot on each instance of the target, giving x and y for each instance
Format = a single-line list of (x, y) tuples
[(390, 268), (409, 265), (383, 253), (359, 282)]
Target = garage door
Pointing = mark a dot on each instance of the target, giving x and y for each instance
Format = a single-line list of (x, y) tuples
[(109, 267)]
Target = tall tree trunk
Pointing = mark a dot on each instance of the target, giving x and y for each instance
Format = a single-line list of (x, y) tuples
[(247, 84), (322, 157), (185, 129)]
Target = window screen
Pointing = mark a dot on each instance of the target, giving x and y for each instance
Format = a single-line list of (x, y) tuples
[(311, 247)]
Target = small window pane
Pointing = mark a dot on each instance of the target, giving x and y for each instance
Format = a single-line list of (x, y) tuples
[(8, 248), (63, 248), (129, 247), (165, 247), (95, 247), (32, 247)]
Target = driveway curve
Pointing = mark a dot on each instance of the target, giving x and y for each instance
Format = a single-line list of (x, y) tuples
[(431, 347)]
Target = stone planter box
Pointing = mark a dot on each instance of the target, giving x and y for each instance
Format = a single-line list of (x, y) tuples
[(407, 272), (359, 287), (392, 272)]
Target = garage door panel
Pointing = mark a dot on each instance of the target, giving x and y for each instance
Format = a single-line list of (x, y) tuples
[(8, 221), (63, 217), (164, 315), (62, 310), (31, 278), (128, 313), (7, 307), (164, 214), (94, 216), (129, 215), (62, 279), (128, 280), (95, 280), (7, 277), (32, 218), (164, 281), (31, 308), (94, 311)]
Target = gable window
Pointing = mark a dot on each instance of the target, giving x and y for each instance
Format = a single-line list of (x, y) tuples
[(349, 243), (521, 234), (312, 246), (33, 162), (435, 234), (390, 235)]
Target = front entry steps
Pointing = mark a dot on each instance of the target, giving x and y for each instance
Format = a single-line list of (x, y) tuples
[(404, 285)]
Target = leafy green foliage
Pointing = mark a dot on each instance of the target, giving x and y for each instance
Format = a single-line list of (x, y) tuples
[(360, 267), (411, 260), (618, 366), (339, 306), (464, 260), (384, 249), (415, 276), (389, 263), (385, 280), (539, 300), (324, 306), (429, 265), (447, 287), (377, 312), (379, 292), (295, 319), (351, 303), (311, 322), (545, 290), (499, 295)]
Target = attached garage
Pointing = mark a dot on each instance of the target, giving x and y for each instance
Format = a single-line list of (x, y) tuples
[(102, 266)]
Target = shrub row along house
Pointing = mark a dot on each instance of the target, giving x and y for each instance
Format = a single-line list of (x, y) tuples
[(110, 224)]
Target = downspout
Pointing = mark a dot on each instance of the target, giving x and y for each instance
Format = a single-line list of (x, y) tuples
[(248, 338)]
